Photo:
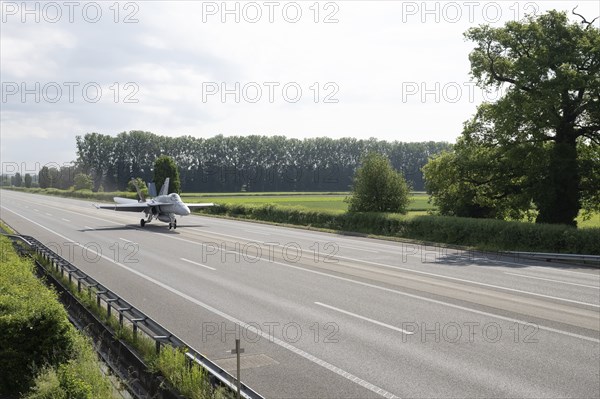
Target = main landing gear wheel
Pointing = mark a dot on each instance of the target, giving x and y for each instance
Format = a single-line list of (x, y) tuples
[(174, 224), (142, 222), (170, 226)]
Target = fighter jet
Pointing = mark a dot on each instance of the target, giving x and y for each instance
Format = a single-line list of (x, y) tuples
[(163, 206)]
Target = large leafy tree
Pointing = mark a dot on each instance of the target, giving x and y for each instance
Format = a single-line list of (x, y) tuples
[(481, 181), (164, 167), (378, 187), (549, 71)]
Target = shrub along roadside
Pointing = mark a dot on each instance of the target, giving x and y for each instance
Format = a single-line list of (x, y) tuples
[(484, 234), (40, 347)]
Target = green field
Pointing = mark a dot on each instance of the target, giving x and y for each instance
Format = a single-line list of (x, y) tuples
[(311, 201)]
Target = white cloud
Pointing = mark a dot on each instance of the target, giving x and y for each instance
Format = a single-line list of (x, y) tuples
[(374, 56)]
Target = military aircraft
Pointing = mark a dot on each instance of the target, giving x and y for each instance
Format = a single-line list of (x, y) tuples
[(163, 206)]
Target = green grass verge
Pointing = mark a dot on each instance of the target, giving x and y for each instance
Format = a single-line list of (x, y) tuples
[(42, 355)]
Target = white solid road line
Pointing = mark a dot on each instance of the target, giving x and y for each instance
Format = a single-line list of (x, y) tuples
[(364, 318), (351, 377), (66, 220), (197, 264), (556, 281)]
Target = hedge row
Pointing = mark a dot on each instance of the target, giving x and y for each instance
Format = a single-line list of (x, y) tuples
[(482, 234), (36, 336)]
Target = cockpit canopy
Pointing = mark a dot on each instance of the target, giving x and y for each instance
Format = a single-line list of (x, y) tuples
[(175, 197)]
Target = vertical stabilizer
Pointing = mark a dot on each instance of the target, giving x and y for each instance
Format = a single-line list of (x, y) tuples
[(152, 189), (139, 192), (164, 190)]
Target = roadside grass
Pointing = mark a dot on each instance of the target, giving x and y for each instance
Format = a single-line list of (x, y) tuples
[(309, 201), (594, 221)]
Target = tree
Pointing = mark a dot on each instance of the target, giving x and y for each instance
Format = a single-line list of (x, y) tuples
[(164, 167), (83, 182), (18, 180), (378, 187), (44, 177), (131, 186), (481, 181), (28, 180), (549, 69)]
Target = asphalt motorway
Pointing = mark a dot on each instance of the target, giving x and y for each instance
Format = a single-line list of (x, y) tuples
[(329, 316)]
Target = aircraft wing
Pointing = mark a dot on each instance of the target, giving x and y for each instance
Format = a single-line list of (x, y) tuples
[(131, 207), (197, 206)]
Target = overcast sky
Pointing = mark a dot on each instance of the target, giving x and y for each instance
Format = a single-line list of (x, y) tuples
[(393, 70)]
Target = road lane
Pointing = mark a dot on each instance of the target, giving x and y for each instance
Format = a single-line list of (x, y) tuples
[(278, 295)]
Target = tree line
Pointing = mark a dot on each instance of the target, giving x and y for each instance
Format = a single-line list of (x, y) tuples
[(245, 163)]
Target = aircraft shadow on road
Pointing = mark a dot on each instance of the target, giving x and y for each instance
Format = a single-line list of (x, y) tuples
[(155, 229), (471, 259)]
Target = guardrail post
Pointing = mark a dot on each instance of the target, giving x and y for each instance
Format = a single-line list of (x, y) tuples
[(135, 328), (108, 306)]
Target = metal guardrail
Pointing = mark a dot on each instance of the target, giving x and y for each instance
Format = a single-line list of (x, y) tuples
[(594, 259), (139, 320)]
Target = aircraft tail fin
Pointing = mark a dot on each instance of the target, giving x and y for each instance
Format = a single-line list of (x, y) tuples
[(152, 189), (164, 190), (139, 192)]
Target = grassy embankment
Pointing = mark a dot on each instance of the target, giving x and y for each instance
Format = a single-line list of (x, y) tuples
[(42, 355)]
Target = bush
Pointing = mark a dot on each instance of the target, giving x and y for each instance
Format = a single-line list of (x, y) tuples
[(83, 182), (377, 187), (34, 329)]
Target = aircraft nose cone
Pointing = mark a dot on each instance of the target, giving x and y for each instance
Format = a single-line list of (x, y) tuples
[(186, 209)]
